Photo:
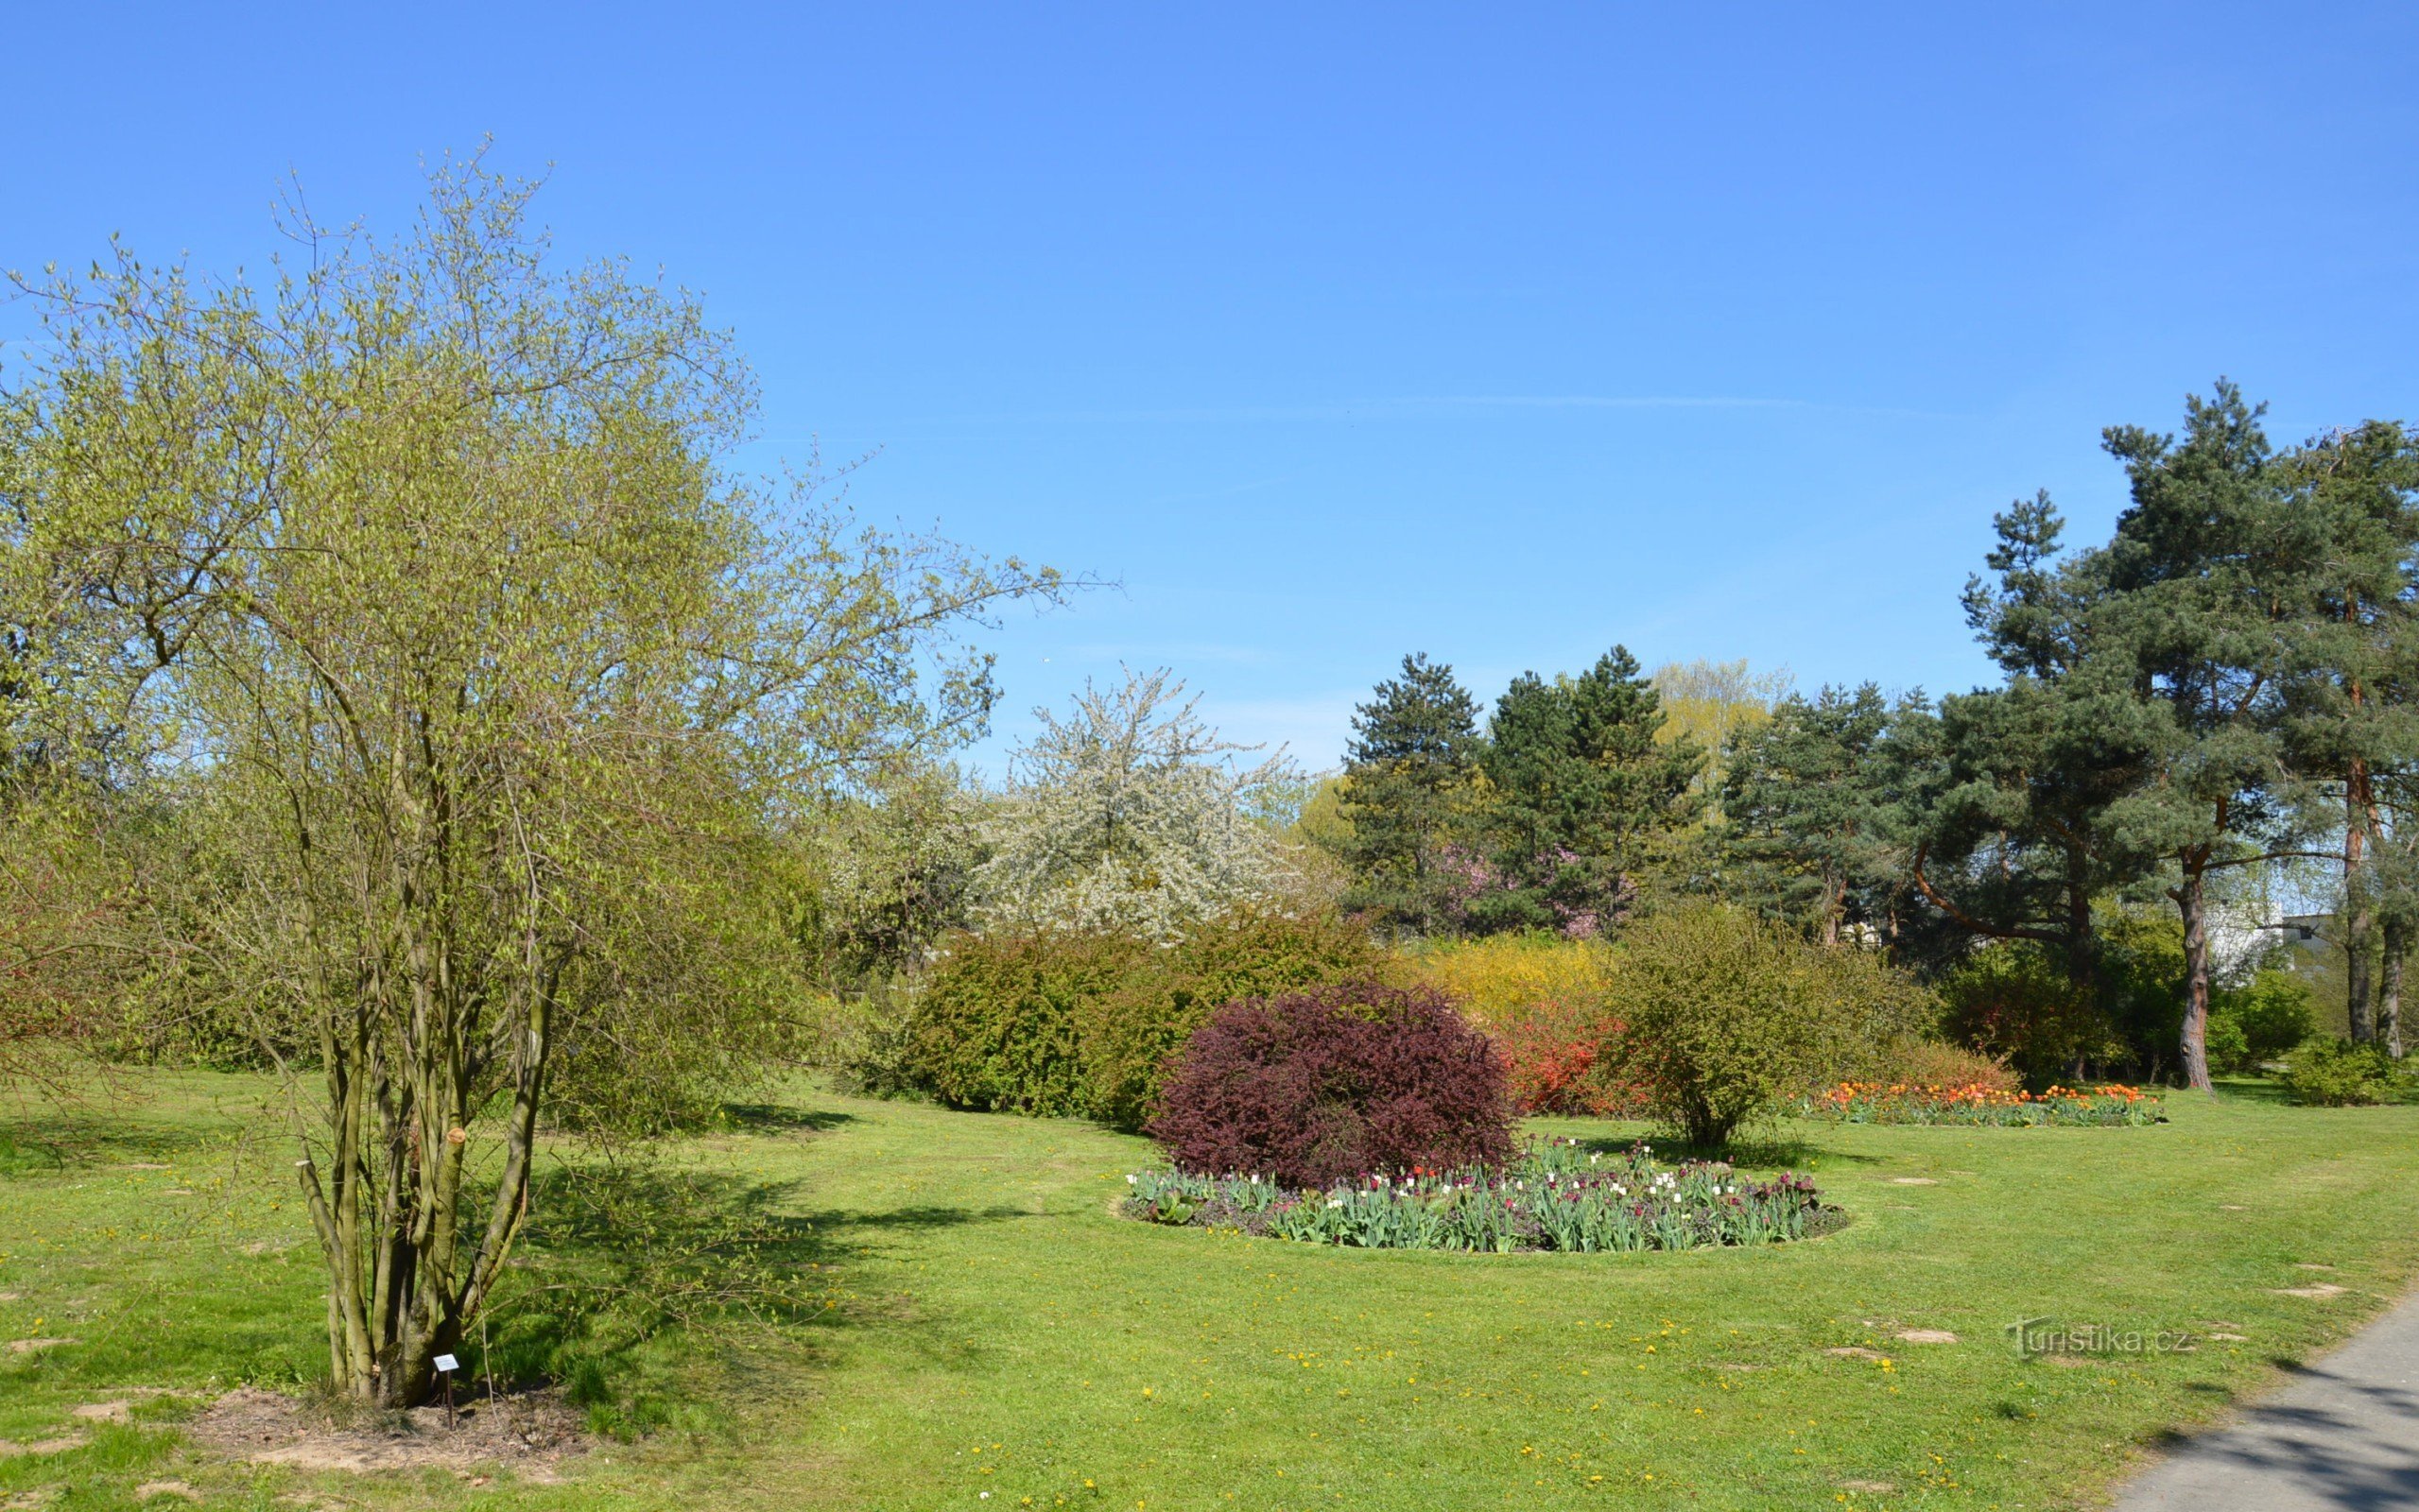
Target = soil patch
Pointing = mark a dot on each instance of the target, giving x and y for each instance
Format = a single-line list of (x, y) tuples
[(530, 1435)]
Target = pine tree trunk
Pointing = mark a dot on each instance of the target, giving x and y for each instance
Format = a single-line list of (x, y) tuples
[(2359, 914), (2397, 944), (2082, 946), (2191, 901)]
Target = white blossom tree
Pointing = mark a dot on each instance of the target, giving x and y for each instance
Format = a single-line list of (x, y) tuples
[(1131, 814)]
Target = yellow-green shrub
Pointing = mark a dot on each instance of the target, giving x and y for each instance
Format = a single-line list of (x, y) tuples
[(1060, 1023), (1542, 999)]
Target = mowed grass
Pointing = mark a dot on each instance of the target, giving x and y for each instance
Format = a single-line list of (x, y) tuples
[(993, 1327)]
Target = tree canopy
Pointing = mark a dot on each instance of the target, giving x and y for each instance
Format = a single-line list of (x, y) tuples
[(414, 583)]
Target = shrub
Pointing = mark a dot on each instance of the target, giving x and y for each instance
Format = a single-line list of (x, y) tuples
[(1130, 1034), (2258, 1022), (2012, 1001), (1730, 1018), (1917, 1062), (1067, 1023), (2340, 1074), (1541, 998), (1319, 1087), (995, 1027)]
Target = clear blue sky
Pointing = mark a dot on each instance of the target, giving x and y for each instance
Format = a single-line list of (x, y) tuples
[(1500, 332)]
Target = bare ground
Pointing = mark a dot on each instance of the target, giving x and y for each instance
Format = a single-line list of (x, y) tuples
[(530, 1435)]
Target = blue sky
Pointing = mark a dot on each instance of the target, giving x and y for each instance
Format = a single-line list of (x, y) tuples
[(1500, 332)]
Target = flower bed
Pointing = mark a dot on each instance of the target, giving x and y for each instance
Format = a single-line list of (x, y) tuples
[(1555, 1195), (2107, 1106)]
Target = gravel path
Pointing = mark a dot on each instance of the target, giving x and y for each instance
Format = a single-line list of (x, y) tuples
[(2343, 1434)]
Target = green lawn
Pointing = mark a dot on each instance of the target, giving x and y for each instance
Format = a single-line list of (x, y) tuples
[(993, 1327)]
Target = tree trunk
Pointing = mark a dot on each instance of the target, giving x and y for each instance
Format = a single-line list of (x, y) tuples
[(2397, 944), (2359, 912), (2191, 901), (2082, 945)]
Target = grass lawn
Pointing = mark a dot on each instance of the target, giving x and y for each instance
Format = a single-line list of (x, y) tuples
[(991, 1327)]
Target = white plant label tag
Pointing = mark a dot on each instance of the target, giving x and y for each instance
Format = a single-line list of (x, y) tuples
[(448, 1364)]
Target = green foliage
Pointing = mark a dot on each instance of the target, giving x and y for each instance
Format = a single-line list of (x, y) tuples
[(995, 1024), (1728, 1018), (2265, 1018), (1584, 795), (2015, 1002), (2340, 1074), (410, 584), (2141, 972), (1408, 794), (1916, 1062), (1063, 1023), (1814, 806), (890, 864)]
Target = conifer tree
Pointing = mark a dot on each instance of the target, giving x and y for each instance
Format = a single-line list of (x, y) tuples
[(1411, 785), (1583, 796)]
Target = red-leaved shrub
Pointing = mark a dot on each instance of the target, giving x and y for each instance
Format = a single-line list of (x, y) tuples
[(1314, 1088)]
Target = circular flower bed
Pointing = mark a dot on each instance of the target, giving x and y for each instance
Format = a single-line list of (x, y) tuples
[(1554, 1196), (2110, 1105)]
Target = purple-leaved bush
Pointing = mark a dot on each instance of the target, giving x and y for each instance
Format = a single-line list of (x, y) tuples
[(1319, 1087)]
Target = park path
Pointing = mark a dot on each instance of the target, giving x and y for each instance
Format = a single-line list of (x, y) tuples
[(2343, 1436)]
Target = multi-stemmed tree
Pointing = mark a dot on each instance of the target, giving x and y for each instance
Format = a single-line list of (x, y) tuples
[(412, 583)]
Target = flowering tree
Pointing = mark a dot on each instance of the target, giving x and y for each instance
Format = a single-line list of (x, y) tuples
[(1130, 814)]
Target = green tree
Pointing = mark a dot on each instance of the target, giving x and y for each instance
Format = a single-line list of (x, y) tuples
[(1813, 805), (1585, 795), (1409, 789), (480, 691), (1725, 1016), (2156, 670), (2353, 518)]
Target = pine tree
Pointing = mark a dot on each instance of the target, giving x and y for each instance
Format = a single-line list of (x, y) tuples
[(1411, 785), (1813, 807)]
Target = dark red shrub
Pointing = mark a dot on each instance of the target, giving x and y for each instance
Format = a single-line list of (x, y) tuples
[(1318, 1086)]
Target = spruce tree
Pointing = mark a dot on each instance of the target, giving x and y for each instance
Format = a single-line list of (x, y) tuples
[(1410, 778)]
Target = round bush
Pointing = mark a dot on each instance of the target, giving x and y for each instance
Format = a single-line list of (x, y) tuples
[(1319, 1087), (1728, 1017), (2339, 1073)]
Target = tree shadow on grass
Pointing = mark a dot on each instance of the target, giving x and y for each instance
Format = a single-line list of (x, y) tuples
[(1746, 1154), (633, 1275), (36, 1146), (778, 1118), (2262, 1089)]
